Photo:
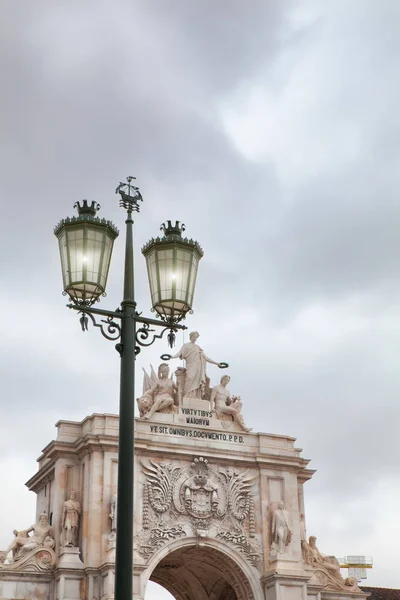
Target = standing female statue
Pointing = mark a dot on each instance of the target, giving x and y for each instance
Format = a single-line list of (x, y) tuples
[(195, 363)]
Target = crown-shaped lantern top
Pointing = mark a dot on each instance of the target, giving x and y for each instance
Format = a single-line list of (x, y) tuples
[(87, 209), (170, 231)]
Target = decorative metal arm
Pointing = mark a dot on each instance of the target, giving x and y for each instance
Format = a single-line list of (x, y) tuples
[(111, 330), (143, 334)]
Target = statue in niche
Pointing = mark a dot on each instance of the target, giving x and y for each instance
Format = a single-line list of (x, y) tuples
[(113, 512), (158, 393), (23, 542), (281, 532), (70, 521), (225, 404), (195, 363), (315, 558)]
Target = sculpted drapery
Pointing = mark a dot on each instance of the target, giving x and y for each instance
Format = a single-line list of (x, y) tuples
[(195, 363), (70, 521)]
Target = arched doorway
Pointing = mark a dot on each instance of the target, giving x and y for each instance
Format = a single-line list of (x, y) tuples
[(193, 572)]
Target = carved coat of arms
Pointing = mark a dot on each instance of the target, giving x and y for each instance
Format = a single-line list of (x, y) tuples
[(180, 501)]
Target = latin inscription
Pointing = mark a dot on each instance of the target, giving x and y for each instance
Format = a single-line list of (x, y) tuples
[(195, 416), (197, 433)]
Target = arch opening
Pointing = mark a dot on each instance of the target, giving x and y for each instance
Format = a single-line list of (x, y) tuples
[(202, 573)]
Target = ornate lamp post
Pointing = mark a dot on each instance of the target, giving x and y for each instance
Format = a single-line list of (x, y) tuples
[(86, 244)]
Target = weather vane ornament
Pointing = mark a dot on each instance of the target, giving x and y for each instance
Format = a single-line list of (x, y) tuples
[(130, 195)]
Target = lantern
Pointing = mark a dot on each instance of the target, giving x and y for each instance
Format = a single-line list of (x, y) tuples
[(86, 244), (172, 263)]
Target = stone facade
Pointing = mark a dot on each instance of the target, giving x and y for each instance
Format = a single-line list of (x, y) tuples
[(217, 514)]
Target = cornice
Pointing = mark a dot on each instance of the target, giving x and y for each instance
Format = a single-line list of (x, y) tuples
[(43, 476), (17, 576), (246, 459)]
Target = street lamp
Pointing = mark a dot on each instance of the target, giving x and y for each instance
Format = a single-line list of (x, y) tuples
[(172, 269), (86, 244)]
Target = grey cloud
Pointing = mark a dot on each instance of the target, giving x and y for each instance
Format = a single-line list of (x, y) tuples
[(92, 94)]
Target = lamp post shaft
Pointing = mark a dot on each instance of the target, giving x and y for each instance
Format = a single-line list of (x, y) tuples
[(125, 518)]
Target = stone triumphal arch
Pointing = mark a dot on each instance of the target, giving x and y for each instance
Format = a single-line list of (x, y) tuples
[(204, 571), (219, 509)]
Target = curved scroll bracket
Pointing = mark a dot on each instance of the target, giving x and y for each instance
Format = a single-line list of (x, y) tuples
[(143, 335), (109, 328)]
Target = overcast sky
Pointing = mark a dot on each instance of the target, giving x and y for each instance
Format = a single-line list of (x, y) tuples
[(271, 129)]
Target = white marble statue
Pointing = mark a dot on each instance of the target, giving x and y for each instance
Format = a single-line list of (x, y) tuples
[(70, 521), (315, 558), (158, 393), (280, 529), (113, 512), (23, 542), (195, 363), (225, 404), (303, 539)]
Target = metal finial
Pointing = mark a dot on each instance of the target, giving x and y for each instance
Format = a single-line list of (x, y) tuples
[(87, 209), (169, 229), (130, 195), (84, 322), (171, 338)]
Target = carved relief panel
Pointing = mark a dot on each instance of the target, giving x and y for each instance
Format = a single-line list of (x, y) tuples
[(197, 499)]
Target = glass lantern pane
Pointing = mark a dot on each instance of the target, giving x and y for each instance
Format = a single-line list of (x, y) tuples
[(153, 280), (105, 262), (182, 275), (75, 252), (192, 281), (165, 263), (64, 258), (93, 258), (167, 276)]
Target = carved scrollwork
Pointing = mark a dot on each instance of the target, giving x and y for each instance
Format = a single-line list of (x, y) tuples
[(161, 479), (40, 559), (238, 485), (157, 538), (242, 543), (322, 577)]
